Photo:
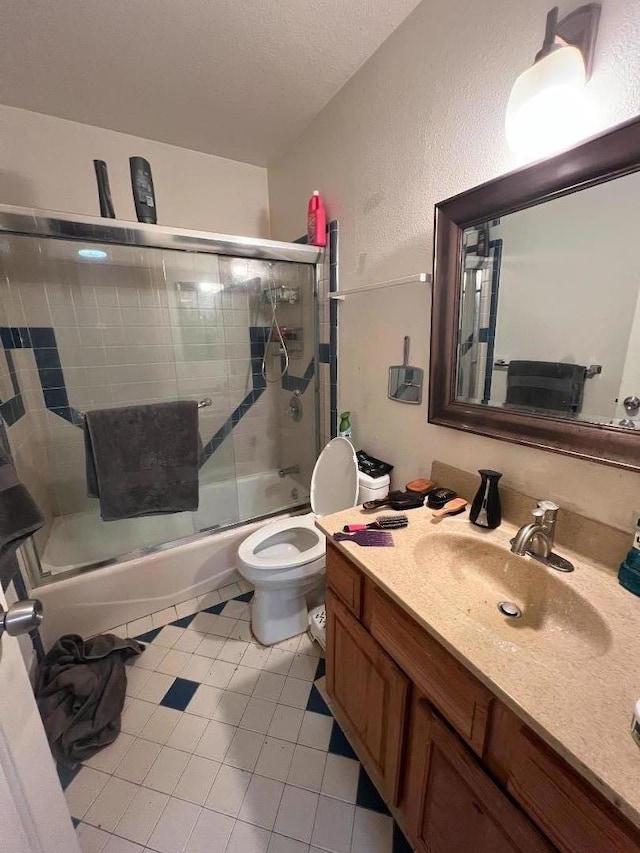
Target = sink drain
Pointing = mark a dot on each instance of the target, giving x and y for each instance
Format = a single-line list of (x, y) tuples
[(508, 608)]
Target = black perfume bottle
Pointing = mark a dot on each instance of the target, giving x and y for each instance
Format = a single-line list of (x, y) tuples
[(485, 509)]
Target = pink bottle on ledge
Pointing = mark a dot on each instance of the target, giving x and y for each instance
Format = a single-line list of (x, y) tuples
[(316, 221)]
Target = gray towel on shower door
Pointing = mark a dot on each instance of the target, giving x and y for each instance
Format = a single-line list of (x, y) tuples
[(143, 460), (19, 517)]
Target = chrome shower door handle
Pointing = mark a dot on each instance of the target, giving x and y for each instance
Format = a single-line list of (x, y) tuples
[(21, 617), (631, 405)]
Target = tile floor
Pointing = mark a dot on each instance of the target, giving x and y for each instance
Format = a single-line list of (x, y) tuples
[(227, 747)]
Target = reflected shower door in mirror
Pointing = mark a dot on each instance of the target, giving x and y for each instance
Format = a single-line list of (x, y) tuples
[(549, 308)]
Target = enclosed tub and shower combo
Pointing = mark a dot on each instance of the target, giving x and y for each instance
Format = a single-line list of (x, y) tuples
[(96, 315)]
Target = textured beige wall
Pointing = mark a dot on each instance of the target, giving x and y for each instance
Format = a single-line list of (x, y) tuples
[(422, 120), (48, 162)]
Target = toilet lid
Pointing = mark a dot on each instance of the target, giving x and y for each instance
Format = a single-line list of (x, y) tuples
[(334, 484)]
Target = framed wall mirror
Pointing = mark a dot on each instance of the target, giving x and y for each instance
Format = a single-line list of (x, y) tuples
[(535, 331)]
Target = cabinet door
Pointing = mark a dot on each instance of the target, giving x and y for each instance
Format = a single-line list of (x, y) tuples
[(370, 695), (452, 804)]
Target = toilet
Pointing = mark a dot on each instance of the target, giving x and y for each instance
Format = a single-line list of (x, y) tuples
[(285, 560)]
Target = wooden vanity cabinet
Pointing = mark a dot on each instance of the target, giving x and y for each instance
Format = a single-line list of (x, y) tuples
[(451, 804), (460, 770), (370, 693)]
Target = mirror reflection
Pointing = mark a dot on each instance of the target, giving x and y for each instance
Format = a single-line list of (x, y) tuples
[(549, 318)]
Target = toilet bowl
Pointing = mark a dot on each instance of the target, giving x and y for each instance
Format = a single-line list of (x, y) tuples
[(285, 560)]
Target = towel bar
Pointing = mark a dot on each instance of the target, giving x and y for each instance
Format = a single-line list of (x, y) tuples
[(202, 404), (591, 371)]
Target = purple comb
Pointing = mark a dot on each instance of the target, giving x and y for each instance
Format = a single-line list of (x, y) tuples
[(377, 538)]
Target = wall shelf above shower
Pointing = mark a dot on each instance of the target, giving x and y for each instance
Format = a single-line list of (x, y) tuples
[(423, 277), (34, 222)]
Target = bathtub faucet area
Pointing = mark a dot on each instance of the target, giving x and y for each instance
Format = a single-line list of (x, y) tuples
[(286, 472)]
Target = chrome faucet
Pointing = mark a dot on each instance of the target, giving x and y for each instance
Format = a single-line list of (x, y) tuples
[(292, 469), (536, 538)]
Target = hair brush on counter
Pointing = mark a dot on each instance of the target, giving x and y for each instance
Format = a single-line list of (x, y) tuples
[(383, 522), (396, 500), (370, 538)]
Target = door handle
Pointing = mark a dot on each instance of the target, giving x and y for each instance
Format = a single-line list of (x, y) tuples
[(631, 405), (21, 617)]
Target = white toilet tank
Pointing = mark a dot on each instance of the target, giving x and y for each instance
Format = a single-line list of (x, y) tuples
[(372, 488)]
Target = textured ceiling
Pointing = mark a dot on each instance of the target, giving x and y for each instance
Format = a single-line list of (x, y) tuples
[(238, 78)]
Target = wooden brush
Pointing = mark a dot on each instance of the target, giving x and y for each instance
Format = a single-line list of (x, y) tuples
[(368, 538), (420, 486), (453, 507)]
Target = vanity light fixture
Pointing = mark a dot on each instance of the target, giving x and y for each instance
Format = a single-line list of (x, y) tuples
[(548, 108)]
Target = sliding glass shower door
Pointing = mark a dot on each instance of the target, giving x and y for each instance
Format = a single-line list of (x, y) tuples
[(88, 325)]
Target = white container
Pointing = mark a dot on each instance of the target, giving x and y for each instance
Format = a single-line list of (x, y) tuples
[(372, 488)]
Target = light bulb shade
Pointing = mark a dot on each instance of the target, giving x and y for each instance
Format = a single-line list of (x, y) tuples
[(548, 108)]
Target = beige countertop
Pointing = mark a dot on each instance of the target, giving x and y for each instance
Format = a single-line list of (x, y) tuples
[(576, 687)]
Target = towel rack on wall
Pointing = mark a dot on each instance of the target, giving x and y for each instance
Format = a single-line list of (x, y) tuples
[(202, 404), (591, 371), (393, 282)]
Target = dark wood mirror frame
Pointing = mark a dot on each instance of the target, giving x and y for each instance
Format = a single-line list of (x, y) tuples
[(611, 155)]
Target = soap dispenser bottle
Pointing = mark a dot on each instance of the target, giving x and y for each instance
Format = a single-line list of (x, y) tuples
[(485, 509), (629, 571), (316, 221)]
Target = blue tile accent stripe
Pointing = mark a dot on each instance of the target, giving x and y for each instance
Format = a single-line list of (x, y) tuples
[(495, 247), (258, 338), (42, 340), (333, 326), (299, 383)]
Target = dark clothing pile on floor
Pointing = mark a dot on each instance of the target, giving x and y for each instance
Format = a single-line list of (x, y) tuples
[(80, 690)]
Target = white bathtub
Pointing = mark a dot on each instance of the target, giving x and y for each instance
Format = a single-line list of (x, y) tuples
[(111, 595), (83, 539)]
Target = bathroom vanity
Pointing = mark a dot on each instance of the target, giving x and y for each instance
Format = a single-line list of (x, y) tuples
[(482, 733)]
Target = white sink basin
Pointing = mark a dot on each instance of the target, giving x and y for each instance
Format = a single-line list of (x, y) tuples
[(475, 576)]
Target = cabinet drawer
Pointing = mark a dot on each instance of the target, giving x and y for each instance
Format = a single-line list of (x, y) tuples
[(459, 697), (574, 816), (345, 580)]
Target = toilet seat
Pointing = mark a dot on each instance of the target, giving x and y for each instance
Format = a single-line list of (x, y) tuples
[(295, 541), (283, 544)]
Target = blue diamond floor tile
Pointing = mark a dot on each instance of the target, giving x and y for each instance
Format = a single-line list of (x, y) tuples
[(75, 821), (66, 775), (321, 670), (185, 621), (338, 743), (179, 694), (246, 597), (368, 796), (400, 843), (316, 702), (149, 636), (216, 608)]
